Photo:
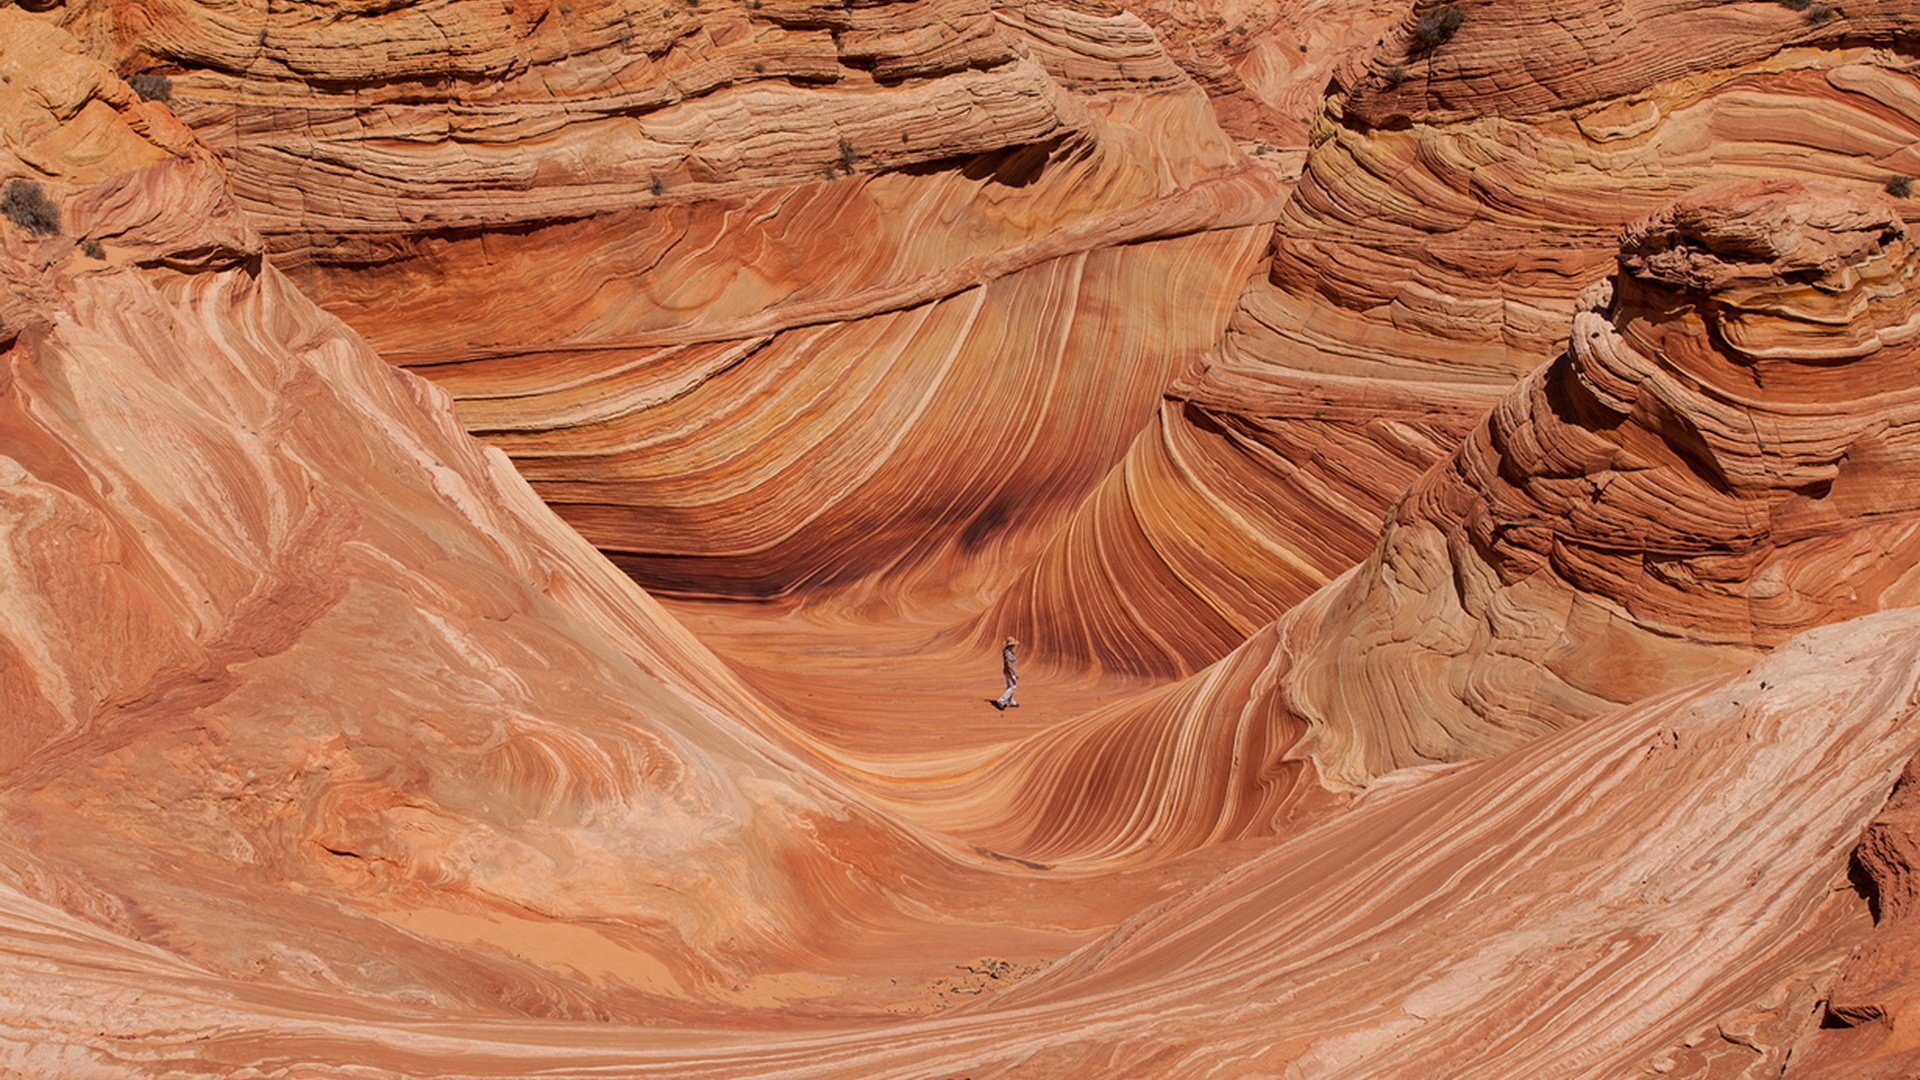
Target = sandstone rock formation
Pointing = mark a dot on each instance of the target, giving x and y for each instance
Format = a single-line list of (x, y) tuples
[(1456, 488), (1866, 1028), (285, 648), (1697, 477), (608, 250), (1701, 474), (1434, 253), (1592, 890), (1451, 941)]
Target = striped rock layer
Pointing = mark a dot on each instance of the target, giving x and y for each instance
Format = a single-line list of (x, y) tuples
[(1455, 203), (1454, 489)]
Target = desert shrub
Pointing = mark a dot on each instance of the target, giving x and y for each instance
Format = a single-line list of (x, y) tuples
[(658, 187), (25, 203), (1795, 5), (1899, 186), (92, 250), (1435, 27), (847, 155), (1815, 14), (1396, 75), (151, 86)]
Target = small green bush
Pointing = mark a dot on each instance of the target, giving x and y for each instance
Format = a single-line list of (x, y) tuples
[(1435, 27), (1899, 186), (152, 86), (658, 187), (25, 203)]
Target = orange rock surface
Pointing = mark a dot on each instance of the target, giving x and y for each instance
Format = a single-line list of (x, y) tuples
[(508, 515), (1867, 1024)]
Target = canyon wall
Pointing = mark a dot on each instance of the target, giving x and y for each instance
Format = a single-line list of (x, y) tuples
[(605, 231), (1456, 201)]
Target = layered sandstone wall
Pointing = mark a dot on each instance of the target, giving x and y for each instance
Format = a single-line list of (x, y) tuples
[(603, 228), (1455, 202), (1706, 470)]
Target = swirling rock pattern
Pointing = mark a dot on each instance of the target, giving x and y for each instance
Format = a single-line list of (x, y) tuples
[(1256, 486), (1390, 581), (610, 249), (843, 436), (1682, 484), (284, 647), (1697, 477), (1870, 1011), (1265, 67), (1436, 254), (1478, 929)]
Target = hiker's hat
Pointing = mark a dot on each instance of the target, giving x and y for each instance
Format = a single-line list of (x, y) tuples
[(1013, 641)]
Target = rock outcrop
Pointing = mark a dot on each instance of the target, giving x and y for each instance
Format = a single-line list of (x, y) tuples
[(1699, 476), (1456, 200), (1704, 472), (1867, 1023)]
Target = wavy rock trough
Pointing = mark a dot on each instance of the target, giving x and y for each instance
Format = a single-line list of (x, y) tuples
[(507, 518)]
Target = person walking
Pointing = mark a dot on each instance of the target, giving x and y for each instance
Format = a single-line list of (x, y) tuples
[(1007, 668)]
